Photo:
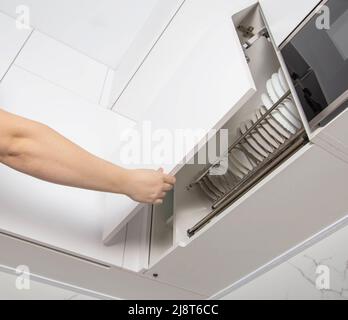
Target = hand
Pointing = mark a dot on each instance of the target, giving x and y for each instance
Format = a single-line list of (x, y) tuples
[(148, 186)]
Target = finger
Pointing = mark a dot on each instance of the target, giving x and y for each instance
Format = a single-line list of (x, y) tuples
[(162, 195), (160, 170), (169, 179), (167, 187), (159, 201)]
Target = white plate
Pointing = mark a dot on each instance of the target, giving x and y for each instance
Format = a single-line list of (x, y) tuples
[(253, 142), (277, 86), (282, 80), (283, 123), (242, 159), (271, 92), (269, 126), (258, 137), (265, 133), (292, 114), (276, 123), (233, 167), (286, 118), (266, 100)]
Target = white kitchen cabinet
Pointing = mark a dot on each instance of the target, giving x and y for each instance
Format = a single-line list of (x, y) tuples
[(64, 66), (11, 41), (334, 136), (302, 197), (200, 44), (285, 15), (195, 78), (64, 218), (63, 270)]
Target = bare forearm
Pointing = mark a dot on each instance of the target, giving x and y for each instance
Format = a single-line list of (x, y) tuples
[(37, 150), (41, 152)]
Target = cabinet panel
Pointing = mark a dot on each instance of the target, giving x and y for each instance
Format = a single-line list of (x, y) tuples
[(66, 218), (11, 41), (201, 35), (63, 66), (301, 198), (334, 137), (284, 16)]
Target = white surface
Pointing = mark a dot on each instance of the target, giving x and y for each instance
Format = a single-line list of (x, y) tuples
[(285, 15), (296, 278), (195, 78), (103, 30), (159, 19), (11, 41), (37, 291), (63, 66), (285, 209), (88, 276), (334, 137), (201, 48), (66, 218)]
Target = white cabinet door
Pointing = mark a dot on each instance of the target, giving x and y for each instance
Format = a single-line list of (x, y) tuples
[(305, 195), (334, 137), (194, 79), (198, 60), (285, 15), (11, 41), (64, 218)]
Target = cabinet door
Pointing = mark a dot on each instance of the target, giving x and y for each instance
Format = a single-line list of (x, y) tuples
[(334, 137), (194, 79), (301, 198), (198, 64), (285, 15), (11, 42)]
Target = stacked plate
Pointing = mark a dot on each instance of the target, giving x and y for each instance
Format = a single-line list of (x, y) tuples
[(259, 144)]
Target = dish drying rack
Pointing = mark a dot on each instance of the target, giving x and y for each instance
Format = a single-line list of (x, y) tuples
[(292, 142)]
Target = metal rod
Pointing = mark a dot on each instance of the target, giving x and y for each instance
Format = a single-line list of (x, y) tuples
[(240, 139), (298, 141)]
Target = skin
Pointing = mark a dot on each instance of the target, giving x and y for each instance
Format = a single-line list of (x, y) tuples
[(37, 150)]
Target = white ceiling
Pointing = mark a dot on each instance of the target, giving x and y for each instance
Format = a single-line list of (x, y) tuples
[(101, 29)]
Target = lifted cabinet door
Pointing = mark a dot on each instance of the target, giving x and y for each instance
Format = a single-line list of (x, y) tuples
[(301, 198), (284, 16), (196, 77)]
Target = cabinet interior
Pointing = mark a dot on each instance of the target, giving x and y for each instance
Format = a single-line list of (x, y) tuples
[(186, 207)]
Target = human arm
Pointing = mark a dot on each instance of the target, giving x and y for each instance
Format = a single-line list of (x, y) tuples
[(35, 149)]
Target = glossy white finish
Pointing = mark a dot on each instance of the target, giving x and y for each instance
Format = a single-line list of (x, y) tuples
[(11, 41), (103, 30), (285, 15), (201, 49), (63, 66), (146, 39), (89, 276), (255, 230), (66, 218)]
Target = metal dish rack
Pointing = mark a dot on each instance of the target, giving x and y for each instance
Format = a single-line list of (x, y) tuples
[(223, 197)]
